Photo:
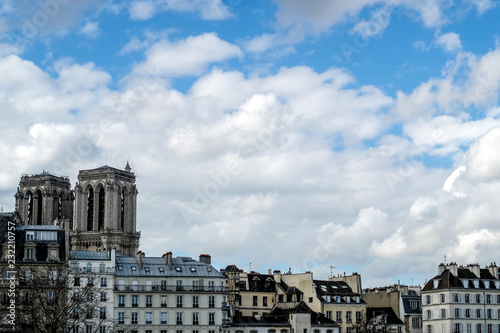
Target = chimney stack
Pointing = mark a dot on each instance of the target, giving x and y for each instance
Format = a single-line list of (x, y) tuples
[(277, 276), (206, 259), (139, 257), (168, 259)]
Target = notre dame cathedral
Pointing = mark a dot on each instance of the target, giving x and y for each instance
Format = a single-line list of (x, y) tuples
[(100, 212)]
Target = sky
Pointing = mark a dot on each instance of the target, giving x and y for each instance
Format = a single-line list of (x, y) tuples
[(326, 136)]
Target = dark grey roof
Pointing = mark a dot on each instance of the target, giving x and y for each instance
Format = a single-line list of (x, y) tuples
[(333, 288), (406, 304), (181, 267), (89, 255)]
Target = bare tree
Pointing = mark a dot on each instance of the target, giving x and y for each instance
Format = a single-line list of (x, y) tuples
[(53, 299), (377, 324)]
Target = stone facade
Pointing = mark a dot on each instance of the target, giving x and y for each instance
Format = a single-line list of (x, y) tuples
[(106, 209)]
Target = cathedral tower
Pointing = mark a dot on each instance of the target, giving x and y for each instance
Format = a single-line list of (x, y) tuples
[(105, 211), (44, 198)]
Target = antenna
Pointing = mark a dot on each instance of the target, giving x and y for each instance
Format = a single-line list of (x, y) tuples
[(444, 258), (331, 271)]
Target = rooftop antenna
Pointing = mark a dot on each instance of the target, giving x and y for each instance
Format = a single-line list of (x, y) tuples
[(250, 266), (331, 271), (444, 258)]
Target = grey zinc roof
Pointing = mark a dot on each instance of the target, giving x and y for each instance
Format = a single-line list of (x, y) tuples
[(89, 255), (158, 267), (39, 227)]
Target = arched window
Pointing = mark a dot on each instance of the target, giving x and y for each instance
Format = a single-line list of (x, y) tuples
[(30, 207), (38, 207), (90, 210), (101, 209), (122, 210)]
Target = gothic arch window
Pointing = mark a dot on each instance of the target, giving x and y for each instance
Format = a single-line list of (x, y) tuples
[(122, 210), (90, 209), (29, 195), (38, 207), (100, 217)]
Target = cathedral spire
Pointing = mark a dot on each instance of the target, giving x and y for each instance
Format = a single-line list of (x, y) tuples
[(127, 167)]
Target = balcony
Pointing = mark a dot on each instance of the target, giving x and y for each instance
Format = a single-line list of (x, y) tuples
[(172, 288)]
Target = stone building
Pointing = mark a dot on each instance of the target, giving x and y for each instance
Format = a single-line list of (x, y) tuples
[(105, 211)]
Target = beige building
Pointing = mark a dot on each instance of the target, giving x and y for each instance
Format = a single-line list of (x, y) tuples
[(251, 293)]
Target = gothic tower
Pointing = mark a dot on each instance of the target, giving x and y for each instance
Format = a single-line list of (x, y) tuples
[(105, 211), (44, 198)]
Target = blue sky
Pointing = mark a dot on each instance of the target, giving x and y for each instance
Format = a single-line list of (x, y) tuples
[(305, 134)]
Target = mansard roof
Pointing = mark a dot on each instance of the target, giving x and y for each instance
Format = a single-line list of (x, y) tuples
[(333, 288), (89, 255), (261, 282), (447, 280), (157, 266)]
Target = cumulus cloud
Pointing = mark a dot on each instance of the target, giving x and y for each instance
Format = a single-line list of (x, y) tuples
[(450, 42), (482, 161), (186, 57), (207, 9)]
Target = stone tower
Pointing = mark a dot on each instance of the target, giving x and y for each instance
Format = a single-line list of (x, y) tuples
[(105, 211), (44, 198)]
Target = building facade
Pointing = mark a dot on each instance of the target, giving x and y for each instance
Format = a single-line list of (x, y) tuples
[(166, 294), (462, 299), (105, 211)]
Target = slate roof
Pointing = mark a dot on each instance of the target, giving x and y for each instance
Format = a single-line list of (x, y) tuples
[(289, 290), (448, 280), (261, 282), (181, 267), (40, 227), (89, 255), (406, 304), (392, 318), (333, 288)]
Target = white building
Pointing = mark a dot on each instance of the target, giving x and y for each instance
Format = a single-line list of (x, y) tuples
[(462, 299), (166, 294), (96, 271)]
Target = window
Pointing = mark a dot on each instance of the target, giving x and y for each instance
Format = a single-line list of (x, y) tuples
[(264, 301), (102, 268), (490, 328), (211, 285), (52, 296), (30, 253), (416, 322), (442, 298), (163, 301), (147, 270), (310, 299), (195, 318), (179, 301), (163, 285), (329, 314), (102, 313), (348, 317), (489, 314), (195, 285), (179, 285), (339, 316), (479, 328), (135, 301), (211, 301), (76, 282), (195, 302), (149, 301), (469, 328), (192, 269), (90, 313), (478, 298), (179, 318), (88, 268), (178, 269), (467, 313), (90, 281), (133, 318), (149, 318), (467, 298), (104, 282), (457, 313), (88, 328), (121, 318), (163, 318), (443, 313), (161, 269), (121, 301), (488, 298), (358, 316), (255, 301), (211, 318), (429, 315), (428, 299), (428, 329), (102, 329), (103, 296), (478, 314)]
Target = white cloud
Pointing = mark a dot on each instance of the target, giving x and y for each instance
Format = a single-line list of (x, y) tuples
[(142, 10), (482, 161), (91, 29), (190, 56), (207, 9), (376, 25), (450, 42)]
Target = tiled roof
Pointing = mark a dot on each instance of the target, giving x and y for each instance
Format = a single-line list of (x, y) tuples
[(157, 266)]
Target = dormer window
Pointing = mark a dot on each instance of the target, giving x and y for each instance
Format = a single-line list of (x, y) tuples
[(133, 268), (178, 269), (146, 269), (29, 251), (193, 269), (161, 269)]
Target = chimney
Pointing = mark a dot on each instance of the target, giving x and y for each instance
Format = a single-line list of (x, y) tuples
[(474, 268), (139, 257), (277, 276), (452, 267), (269, 271), (168, 259), (206, 259)]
